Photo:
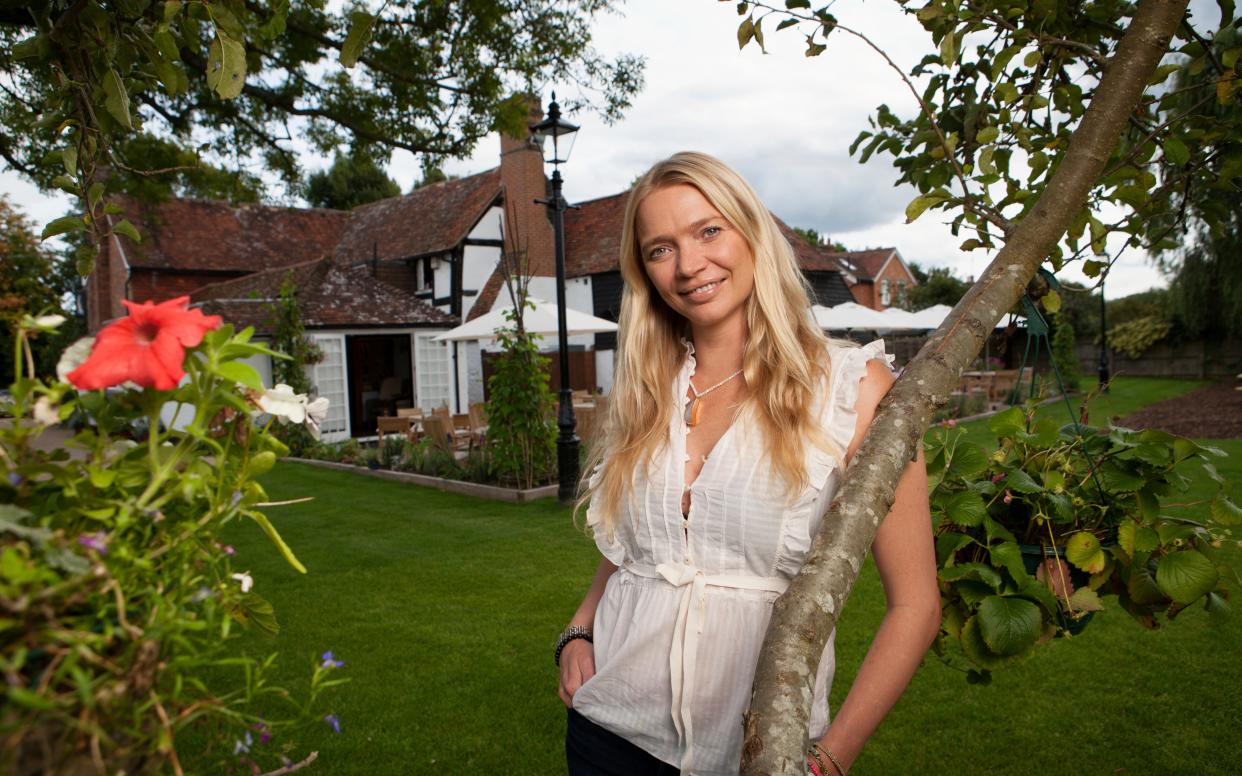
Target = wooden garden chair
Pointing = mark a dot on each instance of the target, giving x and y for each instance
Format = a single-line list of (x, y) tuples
[(478, 422), (395, 425)]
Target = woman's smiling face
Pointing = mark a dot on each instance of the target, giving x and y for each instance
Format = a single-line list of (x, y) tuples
[(699, 263)]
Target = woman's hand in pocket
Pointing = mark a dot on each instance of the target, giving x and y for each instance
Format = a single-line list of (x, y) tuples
[(577, 666)]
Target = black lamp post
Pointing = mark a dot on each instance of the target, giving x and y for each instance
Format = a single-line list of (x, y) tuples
[(562, 134), (1104, 374)]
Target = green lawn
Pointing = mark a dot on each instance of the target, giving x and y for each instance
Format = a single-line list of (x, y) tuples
[(445, 609)]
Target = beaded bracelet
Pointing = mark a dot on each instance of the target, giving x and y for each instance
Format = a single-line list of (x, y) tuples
[(571, 633), (831, 757)]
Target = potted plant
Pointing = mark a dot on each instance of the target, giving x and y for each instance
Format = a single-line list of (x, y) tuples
[(1034, 533)]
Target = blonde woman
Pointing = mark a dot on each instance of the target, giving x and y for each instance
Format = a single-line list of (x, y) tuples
[(730, 420)]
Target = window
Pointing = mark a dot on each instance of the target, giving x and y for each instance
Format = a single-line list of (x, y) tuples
[(886, 298), (432, 371)]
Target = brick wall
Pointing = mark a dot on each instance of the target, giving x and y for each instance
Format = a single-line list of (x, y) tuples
[(895, 273), (521, 174)]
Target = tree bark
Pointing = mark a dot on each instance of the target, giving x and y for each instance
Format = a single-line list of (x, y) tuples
[(776, 725)]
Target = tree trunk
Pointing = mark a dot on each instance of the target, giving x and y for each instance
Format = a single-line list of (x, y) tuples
[(776, 725)]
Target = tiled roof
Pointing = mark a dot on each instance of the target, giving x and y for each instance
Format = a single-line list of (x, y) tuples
[(593, 235), (429, 220), (866, 264), (205, 234), (330, 296), (812, 258)]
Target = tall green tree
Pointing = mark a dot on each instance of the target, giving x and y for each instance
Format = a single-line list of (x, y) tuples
[(239, 78), (936, 285), (33, 281), (1041, 128), (352, 180), (1206, 292)]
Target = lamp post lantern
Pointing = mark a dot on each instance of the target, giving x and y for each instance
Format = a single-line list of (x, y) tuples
[(1103, 369), (561, 133)]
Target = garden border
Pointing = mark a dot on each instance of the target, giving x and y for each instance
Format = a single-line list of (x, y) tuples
[(479, 490)]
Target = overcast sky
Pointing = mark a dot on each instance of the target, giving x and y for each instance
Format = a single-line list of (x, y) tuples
[(783, 120)]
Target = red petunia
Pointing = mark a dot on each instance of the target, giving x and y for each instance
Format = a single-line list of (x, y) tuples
[(146, 348)]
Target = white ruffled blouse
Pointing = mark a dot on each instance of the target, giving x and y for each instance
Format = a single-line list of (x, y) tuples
[(678, 629)]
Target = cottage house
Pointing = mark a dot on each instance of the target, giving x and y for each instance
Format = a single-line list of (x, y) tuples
[(378, 283)]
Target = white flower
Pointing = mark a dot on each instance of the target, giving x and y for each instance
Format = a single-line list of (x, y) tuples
[(73, 357), (316, 413), (45, 412), (283, 403), (245, 580), (49, 322)]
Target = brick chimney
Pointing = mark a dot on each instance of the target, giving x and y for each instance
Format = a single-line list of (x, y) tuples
[(521, 174)]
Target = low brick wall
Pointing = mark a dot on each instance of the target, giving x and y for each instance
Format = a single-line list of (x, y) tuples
[(493, 492)]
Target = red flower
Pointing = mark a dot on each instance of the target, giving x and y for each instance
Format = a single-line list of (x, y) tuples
[(146, 348)]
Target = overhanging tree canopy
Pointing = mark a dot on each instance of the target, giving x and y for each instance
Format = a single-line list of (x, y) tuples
[(242, 78)]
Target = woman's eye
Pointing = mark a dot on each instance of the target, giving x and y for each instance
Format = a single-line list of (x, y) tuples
[(711, 231), (657, 252)]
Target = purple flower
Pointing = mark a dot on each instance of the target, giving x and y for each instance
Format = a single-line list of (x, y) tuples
[(16, 479), (227, 549), (330, 662), (265, 735), (333, 721), (97, 541)]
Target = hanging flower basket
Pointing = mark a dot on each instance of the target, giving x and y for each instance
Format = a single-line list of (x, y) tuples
[(1037, 532)]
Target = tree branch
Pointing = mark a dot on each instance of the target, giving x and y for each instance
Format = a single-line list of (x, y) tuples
[(803, 618)]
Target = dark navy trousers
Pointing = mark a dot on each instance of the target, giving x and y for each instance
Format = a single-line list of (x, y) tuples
[(591, 750)]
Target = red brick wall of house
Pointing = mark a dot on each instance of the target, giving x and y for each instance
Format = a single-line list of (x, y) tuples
[(864, 293), (521, 173), (106, 287)]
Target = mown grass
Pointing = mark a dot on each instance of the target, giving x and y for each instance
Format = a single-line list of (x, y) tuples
[(445, 609)]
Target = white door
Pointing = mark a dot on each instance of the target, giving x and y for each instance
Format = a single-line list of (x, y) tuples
[(432, 372), (328, 379)]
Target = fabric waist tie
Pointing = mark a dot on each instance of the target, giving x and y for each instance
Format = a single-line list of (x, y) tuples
[(691, 611)]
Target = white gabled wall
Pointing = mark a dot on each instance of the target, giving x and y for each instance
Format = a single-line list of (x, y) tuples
[(479, 261)]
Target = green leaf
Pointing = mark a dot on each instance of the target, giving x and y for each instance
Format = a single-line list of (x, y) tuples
[(257, 611), (361, 24), (127, 229), (35, 46), (1176, 151), (1225, 511), (1125, 536), (966, 508), (63, 225), (116, 99), (1009, 555), (226, 66), (948, 49), (1009, 626), (1083, 550), (1052, 302), (745, 31), (1216, 606), (987, 135), (1084, 599), (976, 648), (240, 372), (274, 535), (1032, 58), (1007, 423), (979, 571), (968, 460), (69, 157), (1092, 268), (1119, 479), (791, 4), (922, 202), (1185, 576), (1021, 482)]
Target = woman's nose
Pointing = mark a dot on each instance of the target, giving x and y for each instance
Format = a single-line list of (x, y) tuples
[(690, 261)]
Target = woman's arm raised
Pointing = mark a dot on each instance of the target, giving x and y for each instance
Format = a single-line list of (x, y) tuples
[(578, 657), (905, 557)]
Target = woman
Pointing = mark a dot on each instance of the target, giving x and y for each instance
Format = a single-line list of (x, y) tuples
[(730, 419)]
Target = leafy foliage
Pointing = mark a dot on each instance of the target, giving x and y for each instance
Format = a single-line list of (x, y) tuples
[(33, 281), (1206, 292), (1063, 354), (521, 432), (117, 599), (351, 181), (289, 339), (1135, 336), (937, 285), (1031, 535), (427, 78)]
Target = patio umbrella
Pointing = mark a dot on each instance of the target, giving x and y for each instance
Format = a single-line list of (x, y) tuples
[(541, 320), (850, 315)]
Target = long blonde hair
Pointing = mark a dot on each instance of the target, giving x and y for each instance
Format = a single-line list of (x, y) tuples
[(784, 362)]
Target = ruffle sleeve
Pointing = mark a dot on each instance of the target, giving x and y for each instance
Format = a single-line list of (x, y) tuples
[(848, 368), (609, 546)]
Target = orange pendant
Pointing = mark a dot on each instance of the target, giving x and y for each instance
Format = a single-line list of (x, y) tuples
[(692, 412)]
